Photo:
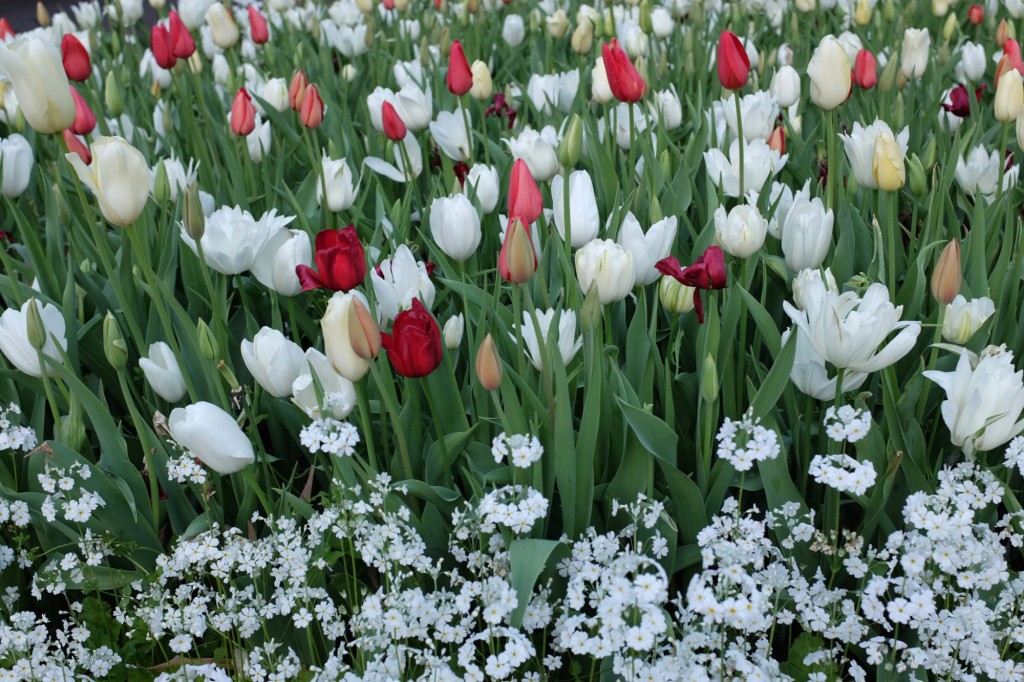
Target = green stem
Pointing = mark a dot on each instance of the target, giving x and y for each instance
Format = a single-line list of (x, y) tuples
[(742, 142), (387, 391)]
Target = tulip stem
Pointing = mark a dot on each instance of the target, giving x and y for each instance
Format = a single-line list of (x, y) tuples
[(44, 376), (631, 171), (364, 420), (831, 160), (387, 392), (469, 131), (439, 432), (932, 359), (740, 141)]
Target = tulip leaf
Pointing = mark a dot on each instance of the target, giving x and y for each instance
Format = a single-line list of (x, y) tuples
[(527, 559), (775, 383)]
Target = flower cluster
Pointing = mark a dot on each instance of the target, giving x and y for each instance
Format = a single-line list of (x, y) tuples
[(744, 442), (843, 473), (522, 450), (338, 438), (12, 436), (847, 423)]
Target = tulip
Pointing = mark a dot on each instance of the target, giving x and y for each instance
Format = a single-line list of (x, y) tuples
[(213, 436), (449, 132), (964, 318), (162, 46), (887, 165), (600, 89), (513, 31), (453, 331), (482, 83), (339, 395), (865, 70), (311, 109), (16, 337), (809, 374), (829, 71), (733, 62), (162, 372), (75, 59), (946, 277), (741, 231), (677, 298), (399, 172), (258, 31), (459, 78), (277, 260), (118, 177), (517, 260), (975, 15), (806, 234), (871, 166), (182, 44), (40, 84), (568, 342), (258, 141), (399, 280), (582, 38), (338, 324), (584, 221), (243, 113), (273, 360), (340, 262), (984, 399), (980, 173), (223, 28), (6, 31), (77, 147), (337, 177), (707, 272), (127, 12), (488, 365), (296, 89), (916, 43), (414, 344), (455, 226), (524, 199), (759, 163), (604, 264), (785, 86), (558, 24), (1009, 97), (482, 182), (647, 249), (85, 120), (668, 109), (232, 238), (16, 162), (624, 81), (394, 127), (537, 149), (759, 113)]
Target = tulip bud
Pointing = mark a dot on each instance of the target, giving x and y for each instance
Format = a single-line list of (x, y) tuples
[(1019, 129), (114, 346), (862, 14), (571, 146), (243, 114), (394, 126), (949, 27), (583, 37), (676, 297), (192, 213), (947, 274), (591, 312), (517, 261), (365, 6), (71, 431), (1009, 97), (42, 16), (975, 14), (161, 185), (777, 140), (928, 157), (709, 380), (453, 331), (483, 86), (916, 176), (558, 24), (488, 365), (645, 17), (311, 109), (207, 342), (1004, 32), (655, 213), (296, 89), (222, 25), (890, 76), (889, 11), (34, 325), (112, 94), (363, 332)]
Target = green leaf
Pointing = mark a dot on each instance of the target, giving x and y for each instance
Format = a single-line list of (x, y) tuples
[(527, 559)]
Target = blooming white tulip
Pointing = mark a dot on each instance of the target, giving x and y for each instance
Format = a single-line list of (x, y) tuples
[(350, 41), (781, 197), (741, 231), (984, 399), (537, 149), (806, 234), (126, 11), (339, 393), (568, 342), (16, 162), (963, 318), (979, 174), (337, 176), (482, 181), (759, 163), (118, 177), (455, 226), (233, 238), (847, 330), (275, 262), (813, 284), (14, 340), (212, 435), (40, 84), (397, 172), (88, 14), (916, 43), (608, 266), (449, 131), (258, 141), (453, 331), (647, 249), (851, 42), (336, 325), (584, 221), (275, 93), (667, 109), (972, 64), (398, 282), (513, 30), (860, 149), (415, 106), (223, 27), (760, 112), (163, 373), (600, 90), (193, 12), (273, 360), (831, 74), (785, 86), (178, 176), (809, 374), (553, 91)]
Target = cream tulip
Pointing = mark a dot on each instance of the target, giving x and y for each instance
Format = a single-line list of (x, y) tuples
[(337, 324), (608, 266), (830, 73), (40, 84), (223, 27), (483, 86), (118, 177), (1009, 96)]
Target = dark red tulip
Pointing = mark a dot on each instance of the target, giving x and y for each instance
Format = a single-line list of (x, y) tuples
[(959, 102), (625, 82), (182, 44), (733, 62), (865, 70), (340, 262), (524, 198), (459, 79), (163, 49), (707, 272), (394, 126), (414, 344), (76, 61), (85, 120)]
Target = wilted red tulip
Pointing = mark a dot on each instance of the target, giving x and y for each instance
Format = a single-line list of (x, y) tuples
[(163, 49), (296, 89), (707, 272), (258, 31), (524, 198), (76, 146), (76, 61), (865, 70), (976, 14), (733, 62), (311, 109), (625, 82), (340, 262), (85, 120), (394, 126), (414, 344), (517, 261), (182, 44), (960, 100), (5, 29), (459, 79), (243, 114)]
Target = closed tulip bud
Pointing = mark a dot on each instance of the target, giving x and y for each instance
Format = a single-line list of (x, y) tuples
[(830, 74), (340, 325), (258, 31), (42, 16), (517, 260), (311, 109), (741, 231), (889, 11), (207, 341), (646, 25), (591, 312), (624, 79), (6, 31), (916, 177), (483, 86), (733, 62), (1009, 97), (34, 327), (785, 86), (16, 162), (36, 70), (949, 27), (777, 140), (75, 58), (890, 76), (394, 126), (222, 25), (603, 264), (488, 365), (1003, 33), (524, 198), (118, 177), (914, 56), (192, 212), (402, 5), (72, 426), (296, 89), (364, 334), (862, 13), (455, 226), (583, 37), (112, 95), (676, 297), (243, 114), (365, 6), (865, 70), (453, 331), (571, 146), (709, 380), (274, 361), (459, 78), (928, 155), (947, 276), (976, 14), (161, 185), (887, 165), (558, 24)]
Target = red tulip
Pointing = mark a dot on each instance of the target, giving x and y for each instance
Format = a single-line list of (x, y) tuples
[(258, 31), (243, 114), (182, 44), (85, 120), (311, 109), (76, 146), (388, 4), (524, 198), (777, 141), (707, 272), (296, 89), (976, 14), (733, 62), (394, 126), (340, 262), (414, 344), (76, 60), (626, 84), (1011, 50), (459, 79), (163, 48), (865, 70), (960, 100), (517, 260), (5, 29)]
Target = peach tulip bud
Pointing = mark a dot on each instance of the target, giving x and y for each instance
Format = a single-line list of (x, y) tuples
[(946, 276), (488, 365)]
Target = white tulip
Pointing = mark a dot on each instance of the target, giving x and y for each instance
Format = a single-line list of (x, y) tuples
[(809, 374), (16, 162), (972, 64), (400, 280), (513, 30), (40, 84), (258, 141), (568, 342), (163, 373), (482, 181), (118, 177), (600, 91), (449, 132), (553, 91), (338, 392), (741, 231), (14, 338), (916, 44), (192, 12), (979, 174), (759, 163), (453, 331), (584, 221), (273, 360), (537, 149), (806, 234), (178, 176), (608, 266), (223, 27), (831, 74), (233, 238), (860, 149), (759, 111), (275, 262), (397, 172), (455, 226), (668, 109), (785, 86), (337, 176), (212, 435), (964, 318), (647, 249)]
